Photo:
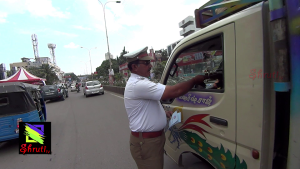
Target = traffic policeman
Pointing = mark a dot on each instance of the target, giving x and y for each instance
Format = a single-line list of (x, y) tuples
[(147, 118)]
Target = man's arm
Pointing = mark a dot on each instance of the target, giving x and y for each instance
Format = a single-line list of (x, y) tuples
[(182, 88)]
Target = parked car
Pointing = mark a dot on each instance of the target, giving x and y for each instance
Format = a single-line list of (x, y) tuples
[(93, 87), (64, 88), (52, 92)]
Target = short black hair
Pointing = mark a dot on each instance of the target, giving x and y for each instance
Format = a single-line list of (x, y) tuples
[(132, 63)]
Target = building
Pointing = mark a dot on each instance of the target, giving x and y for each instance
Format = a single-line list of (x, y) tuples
[(13, 70), (18, 65), (124, 70), (27, 63), (2, 71), (188, 26), (107, 56), (44, 60), (171, 47)]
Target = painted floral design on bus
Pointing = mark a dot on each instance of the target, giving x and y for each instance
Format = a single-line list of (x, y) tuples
[(197, 118), (218, 157)]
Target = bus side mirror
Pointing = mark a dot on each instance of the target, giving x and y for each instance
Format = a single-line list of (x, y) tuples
[(173, 70)]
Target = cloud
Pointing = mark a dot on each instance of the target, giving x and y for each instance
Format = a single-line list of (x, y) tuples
[(81, 27), (39, 8), (64, 34), (45, 31), (154, 30), (70, 57), (112, 12), (3, 15), (152, 23), (22, 31), (72, 46)]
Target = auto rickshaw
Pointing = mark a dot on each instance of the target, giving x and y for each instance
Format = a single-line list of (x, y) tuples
[(19, 102)]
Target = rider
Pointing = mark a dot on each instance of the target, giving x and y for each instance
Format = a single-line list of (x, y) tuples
[(77, 86)]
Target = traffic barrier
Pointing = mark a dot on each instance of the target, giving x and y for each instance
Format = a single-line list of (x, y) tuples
[(114, 89)]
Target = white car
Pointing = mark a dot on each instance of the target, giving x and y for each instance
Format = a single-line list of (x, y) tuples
[(93, 87), (73, 88)]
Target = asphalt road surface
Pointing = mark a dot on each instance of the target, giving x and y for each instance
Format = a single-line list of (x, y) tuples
[(87, 133)]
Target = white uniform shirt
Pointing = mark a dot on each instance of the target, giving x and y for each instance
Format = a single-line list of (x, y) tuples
[(142, 103)]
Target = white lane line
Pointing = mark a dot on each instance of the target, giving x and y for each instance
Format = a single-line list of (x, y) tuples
[(116, 95)]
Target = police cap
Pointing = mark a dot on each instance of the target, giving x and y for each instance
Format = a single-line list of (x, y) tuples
[(140, 54)]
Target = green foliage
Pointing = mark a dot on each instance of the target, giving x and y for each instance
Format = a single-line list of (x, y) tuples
[(45, 71), (36, 71), (129, 73), (164, 54), (118, 77), (158, 69), (103, 69), (73, 77), (121, 60), (8, 73)]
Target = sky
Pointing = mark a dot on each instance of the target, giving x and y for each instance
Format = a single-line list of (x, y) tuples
[(72, 24)]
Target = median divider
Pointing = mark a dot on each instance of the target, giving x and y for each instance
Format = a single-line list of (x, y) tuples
[(114, 89)]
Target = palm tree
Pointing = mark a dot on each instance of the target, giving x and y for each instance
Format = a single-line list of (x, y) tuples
[(45, 71), (49, 73)]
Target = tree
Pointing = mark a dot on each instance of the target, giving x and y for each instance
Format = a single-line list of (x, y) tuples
[(164, 54), (8, 73), (73, 76), (36, 71), (102, 70), (158, 69), (45, 71), (49, 73), (121, 60), (119, 77)]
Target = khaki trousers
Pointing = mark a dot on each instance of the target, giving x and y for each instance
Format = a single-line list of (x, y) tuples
[(148, 153)]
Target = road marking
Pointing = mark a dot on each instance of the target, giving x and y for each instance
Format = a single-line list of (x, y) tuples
[(116, 95)]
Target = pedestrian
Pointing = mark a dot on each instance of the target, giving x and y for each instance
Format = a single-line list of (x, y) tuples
[(147, 118)]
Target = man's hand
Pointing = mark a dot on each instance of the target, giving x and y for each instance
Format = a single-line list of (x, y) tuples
[(216, 76), (219, 78), (199, 80), (182, 88), (169, 113)]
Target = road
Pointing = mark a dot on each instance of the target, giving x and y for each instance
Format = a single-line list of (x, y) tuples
[(87, 133)]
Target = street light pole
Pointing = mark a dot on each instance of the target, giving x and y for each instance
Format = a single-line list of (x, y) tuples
[(91, 65), (103, 7), (90, 59)]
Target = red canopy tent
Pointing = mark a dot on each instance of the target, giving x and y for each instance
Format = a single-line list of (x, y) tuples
[(23, 76)]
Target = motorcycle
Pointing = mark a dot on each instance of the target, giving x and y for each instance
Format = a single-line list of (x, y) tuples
[(78, 89)]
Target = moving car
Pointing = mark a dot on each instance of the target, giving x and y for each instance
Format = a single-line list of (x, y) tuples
[(53, 92), (93, 87), (73, 87)]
